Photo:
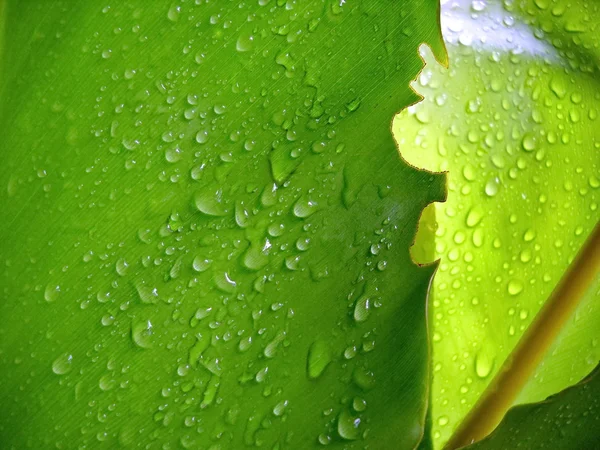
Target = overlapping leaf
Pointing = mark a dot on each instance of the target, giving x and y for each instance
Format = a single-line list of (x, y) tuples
[(515, 122), (568, 420)]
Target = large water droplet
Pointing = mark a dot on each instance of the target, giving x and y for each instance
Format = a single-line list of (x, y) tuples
[(51, 292), (484, 363), (147, 294), (62, 364), (515, 287), (122, 267), (304, 207), (474, 217), (362, 308), (319, 357), (279, 408), (348, 426), (225, 283), (210, 202), (244, 43), (142, 333), (201, 264)]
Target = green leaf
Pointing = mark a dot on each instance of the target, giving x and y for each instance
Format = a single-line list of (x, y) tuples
[(206, 224), (568, 420), (515, 122)]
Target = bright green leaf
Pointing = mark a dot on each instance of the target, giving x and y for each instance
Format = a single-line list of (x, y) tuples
[(206, 224), (515, 122)]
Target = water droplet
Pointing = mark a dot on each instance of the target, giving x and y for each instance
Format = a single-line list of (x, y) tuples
[(491, 188), (121, 267), (271, 348), (51, 292), (242, 216), (469, 172), (245, 343), (210, 202), (319, 357), (324, 439), (348, 426), (474, 216), (529, 142), (443, 421), (557, 85), (279, 408), (304, 207), (195, 352), (62, 364), (529, 235), (353, 105), (362, 308), (106, 382), (359, 404), (202, 137), (225, 283), (525, 255), (244, 43), (363, 378), (515, 287), (147, 294), (141, 333), (484, 363), (173, 154), (256, 257), (201, 264), (173, 13)]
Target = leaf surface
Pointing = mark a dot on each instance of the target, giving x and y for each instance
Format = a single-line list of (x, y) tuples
[(515, 122), (206, 223)]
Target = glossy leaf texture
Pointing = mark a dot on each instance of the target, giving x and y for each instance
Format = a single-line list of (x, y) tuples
[(205, 225), (567, 420), (515, 122)]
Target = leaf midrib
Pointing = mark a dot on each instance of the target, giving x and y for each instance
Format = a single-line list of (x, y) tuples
[(518, 368)]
